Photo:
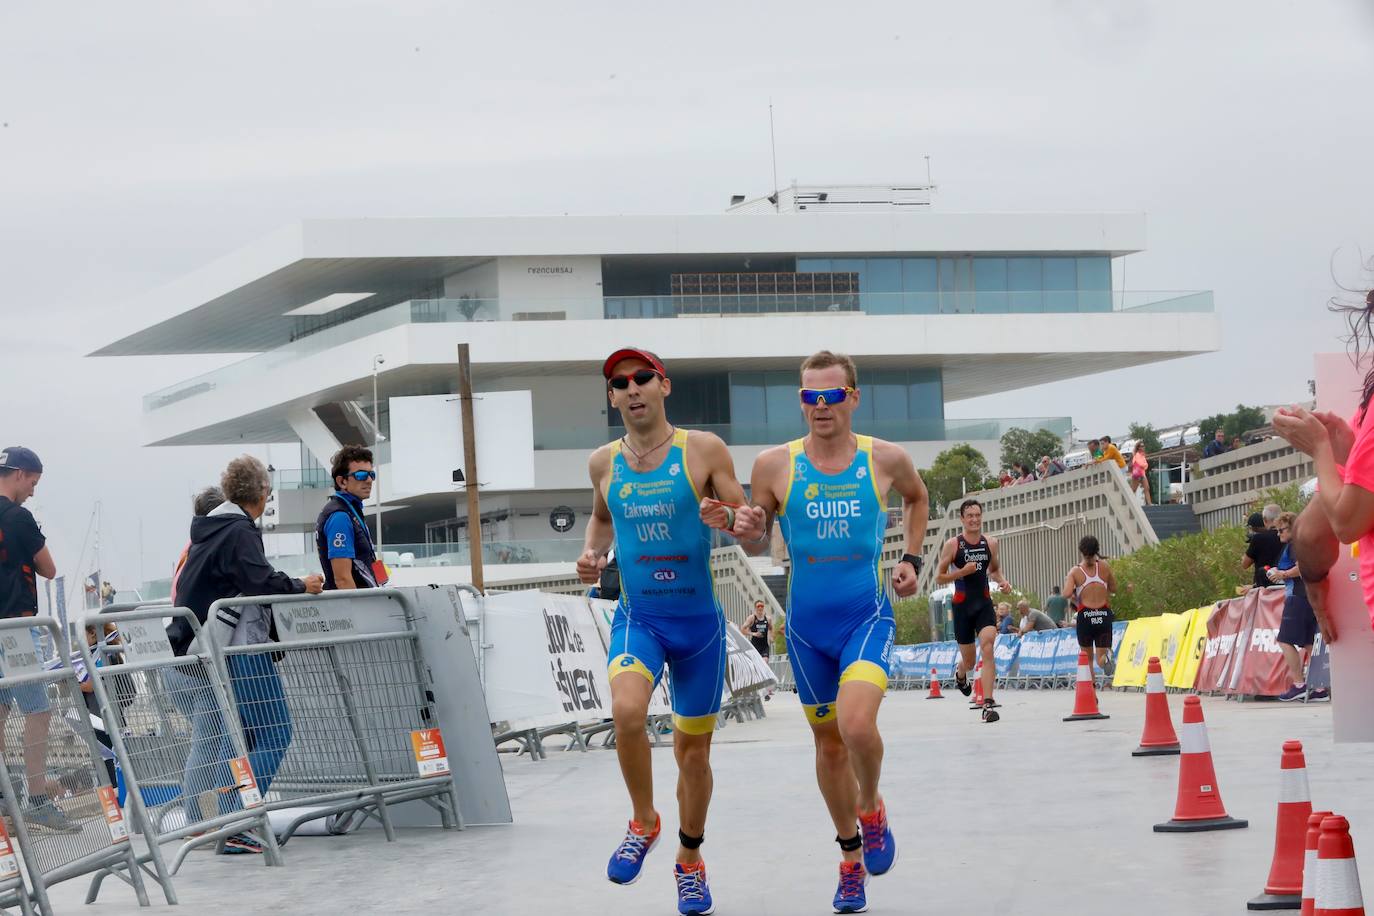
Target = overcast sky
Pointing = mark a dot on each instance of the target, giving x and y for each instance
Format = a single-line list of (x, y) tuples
[(143, 139)]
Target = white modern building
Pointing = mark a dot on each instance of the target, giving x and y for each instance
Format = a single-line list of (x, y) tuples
[(935, 307)]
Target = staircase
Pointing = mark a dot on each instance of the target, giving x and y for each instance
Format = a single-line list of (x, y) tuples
[(1172, 520), (778, 586)]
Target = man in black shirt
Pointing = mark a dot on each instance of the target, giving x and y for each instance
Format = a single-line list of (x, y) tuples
[(1264, 548), (23, 557)]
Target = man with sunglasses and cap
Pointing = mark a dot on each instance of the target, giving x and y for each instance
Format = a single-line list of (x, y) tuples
[(829, 491), (347, 555), (648, 500)]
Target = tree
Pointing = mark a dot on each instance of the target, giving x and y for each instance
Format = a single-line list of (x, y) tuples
[(1237, 423), (1148, 434), (955, 470), (1026, 447)]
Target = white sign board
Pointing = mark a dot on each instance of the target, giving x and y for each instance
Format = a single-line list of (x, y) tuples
[(427, 442), (356, 615), (20, 652)]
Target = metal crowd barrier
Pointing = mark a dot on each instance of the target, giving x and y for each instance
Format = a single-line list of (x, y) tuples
[(68, 823), (179, 748), (330, 714)]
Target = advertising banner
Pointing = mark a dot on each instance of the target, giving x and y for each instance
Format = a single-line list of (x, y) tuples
[(1222, 629), (942, 656), (1118, 634), (546, 664), (1260, 670), (1173, 633), (911, 662), (1137, 645), (1065, 643), (1036, 658), (1189, 659), (1005, 650)]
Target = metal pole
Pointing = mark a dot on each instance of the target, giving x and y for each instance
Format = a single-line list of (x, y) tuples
[(376, 443), (470, 468)]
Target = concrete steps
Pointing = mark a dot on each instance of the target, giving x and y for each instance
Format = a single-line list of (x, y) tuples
[(1172, 520)]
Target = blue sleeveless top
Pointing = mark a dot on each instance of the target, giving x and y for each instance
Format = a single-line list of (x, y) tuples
[(663, 549), (834, 525)]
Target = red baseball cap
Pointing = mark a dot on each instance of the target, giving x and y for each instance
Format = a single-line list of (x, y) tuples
[(625, 353)]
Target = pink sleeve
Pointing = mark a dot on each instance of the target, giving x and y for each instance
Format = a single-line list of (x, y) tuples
[(1359, 467)]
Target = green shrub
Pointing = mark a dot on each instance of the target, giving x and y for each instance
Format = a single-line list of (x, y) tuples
[(1180, 573), (913, 620)]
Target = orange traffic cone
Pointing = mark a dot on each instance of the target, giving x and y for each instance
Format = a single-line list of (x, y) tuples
[(1309, 861), (1338, 880), (934, 693), (1283, 890), (1084, 696), (1199, 804), (977, 701), (1159, 737)]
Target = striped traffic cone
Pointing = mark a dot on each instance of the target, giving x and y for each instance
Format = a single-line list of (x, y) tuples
[(1338, 880), (977, 701), (1199, 804), (1084, 694), (1158, 737), (934, 693), (1283, 890), (1309, 861)]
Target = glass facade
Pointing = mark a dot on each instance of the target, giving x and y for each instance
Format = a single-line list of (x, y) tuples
[(770, 398), (983, 284)]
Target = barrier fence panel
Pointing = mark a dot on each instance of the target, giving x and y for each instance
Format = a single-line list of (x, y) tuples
[(66, 821), (180, 752), (337, 716)]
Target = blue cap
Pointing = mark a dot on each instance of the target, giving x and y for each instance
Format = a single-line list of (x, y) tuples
[(18, 458)]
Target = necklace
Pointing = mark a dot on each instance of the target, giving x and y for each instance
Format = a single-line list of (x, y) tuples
[(640, 456)]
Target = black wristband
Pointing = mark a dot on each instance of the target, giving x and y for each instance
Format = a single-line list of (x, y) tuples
[(913, 559)]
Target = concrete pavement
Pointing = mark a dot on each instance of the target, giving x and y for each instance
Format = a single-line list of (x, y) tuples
[(1030, 815)]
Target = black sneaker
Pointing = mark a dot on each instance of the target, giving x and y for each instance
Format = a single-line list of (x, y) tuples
[(990, 714), (961, 682)]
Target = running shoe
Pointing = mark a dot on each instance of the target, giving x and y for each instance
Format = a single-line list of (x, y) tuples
[(1296, 692), (850, 896), (242, 844), (1109, 666), (961, 682), (990, 714), (693, 893), (628, 858), (880, 848), (50, 818), (1316, 695)]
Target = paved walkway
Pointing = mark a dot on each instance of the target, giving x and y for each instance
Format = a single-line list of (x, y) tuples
[(1031, 816)]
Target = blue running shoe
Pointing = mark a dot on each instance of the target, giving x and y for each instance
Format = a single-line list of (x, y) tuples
[(850, 897), (880, 849), (628, 858), (693, 893)]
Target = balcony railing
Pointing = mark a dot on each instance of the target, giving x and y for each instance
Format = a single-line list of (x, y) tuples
[(450, 311), (405, 556), (917, 430)]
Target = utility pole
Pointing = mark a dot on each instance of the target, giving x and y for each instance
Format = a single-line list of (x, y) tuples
[(470, 468), (377, 361)]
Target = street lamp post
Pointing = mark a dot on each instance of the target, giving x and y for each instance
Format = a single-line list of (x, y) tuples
[(377, 362)]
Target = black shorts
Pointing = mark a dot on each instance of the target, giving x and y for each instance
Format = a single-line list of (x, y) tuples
[(1299, 624), (760, 645), (1095, 627), (970, 617)]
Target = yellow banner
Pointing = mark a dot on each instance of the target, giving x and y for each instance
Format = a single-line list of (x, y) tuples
[(1184, 672), (1140, 642), (1172, 638)]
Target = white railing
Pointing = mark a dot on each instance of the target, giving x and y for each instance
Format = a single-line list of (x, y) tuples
[(1040, 525), (1226, 486)]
